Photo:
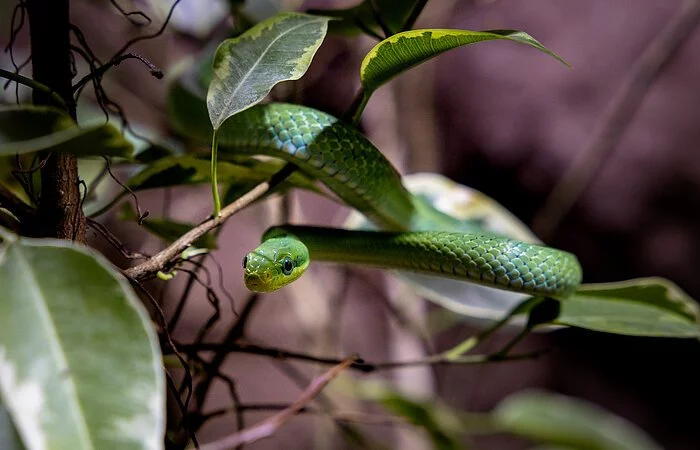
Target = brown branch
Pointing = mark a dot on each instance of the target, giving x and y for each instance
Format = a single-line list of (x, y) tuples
[(270, 425), (162, 259), (341, 416), (60, 214), (617, 118)]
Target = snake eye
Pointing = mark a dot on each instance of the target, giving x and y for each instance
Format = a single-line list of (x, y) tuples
[(245, 261), (287, 265)]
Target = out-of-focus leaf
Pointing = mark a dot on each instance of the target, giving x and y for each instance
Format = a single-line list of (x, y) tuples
[(445, 427), (259, 10), (27, 129), (188, 169), (404, 50), (642, 307), (79, 361), (394, 14), (246, 68), (168, 230), (187, 109), (569, 423), (363, 16)]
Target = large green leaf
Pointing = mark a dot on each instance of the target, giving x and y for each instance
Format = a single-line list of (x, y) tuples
[(404, 50), (569, 423), (642, 307), (246, 68), (27, 129), (79, 361)]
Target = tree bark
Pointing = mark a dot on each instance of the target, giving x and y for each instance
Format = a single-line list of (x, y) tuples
[(60, 214)]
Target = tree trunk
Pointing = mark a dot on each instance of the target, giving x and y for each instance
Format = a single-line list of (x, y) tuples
[(60, 213)]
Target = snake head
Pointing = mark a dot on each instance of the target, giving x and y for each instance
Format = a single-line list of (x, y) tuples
[(275, 263)]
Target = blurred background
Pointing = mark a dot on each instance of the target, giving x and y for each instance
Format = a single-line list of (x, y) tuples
[(498, 117)]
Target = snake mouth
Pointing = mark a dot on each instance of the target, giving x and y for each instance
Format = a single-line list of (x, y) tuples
[(256, 283)]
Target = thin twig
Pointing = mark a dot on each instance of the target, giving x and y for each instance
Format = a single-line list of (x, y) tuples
[(270, 425), (161, 260), (34, 85), (619, 115), (358, 364), (131, 42), (99, 72)]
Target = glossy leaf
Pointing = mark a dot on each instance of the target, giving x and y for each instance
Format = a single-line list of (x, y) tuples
[(79, 361), (642, 307), (246, 68), (402, 51), (27, 129), (568, 422)]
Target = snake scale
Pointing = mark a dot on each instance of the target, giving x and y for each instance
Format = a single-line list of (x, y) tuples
[(415, 235)]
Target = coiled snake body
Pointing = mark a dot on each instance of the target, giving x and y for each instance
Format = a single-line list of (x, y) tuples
[(417, 237)]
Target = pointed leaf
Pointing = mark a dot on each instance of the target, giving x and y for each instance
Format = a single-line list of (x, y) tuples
[(27, 129), (79, 361), (247, 67), (642, 307), (568, 422), (402, 51)]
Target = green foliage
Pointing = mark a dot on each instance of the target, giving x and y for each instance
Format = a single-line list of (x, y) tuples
[(79, 360), (402, 51), (568, 423), (247, 67), (27, 129), (642, 307)]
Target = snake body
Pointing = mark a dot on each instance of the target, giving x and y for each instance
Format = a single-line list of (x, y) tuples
[(418, 237)]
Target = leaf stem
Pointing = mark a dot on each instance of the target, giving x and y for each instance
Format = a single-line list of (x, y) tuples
[(214, 176), (354, 112), (34, 85)]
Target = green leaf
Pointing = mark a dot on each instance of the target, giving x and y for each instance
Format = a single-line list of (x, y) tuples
[(445, 427), (568, 422), (188, 169), (402, 51), (363, 18), (187, 107), (394, 14), (27, 129), (246, 68), (642, 307), (166, 229), (79, 361)]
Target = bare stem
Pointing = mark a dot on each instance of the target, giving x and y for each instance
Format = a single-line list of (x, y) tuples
[(273, 423)]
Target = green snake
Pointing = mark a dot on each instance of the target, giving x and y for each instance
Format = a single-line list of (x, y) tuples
[(416, 236)]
